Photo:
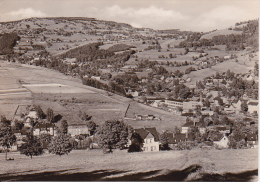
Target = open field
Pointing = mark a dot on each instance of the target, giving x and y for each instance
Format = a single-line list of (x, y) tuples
[(220, 32), (220, 67), (68, 105), (55, 88), (123, 164), (167, 120), (11, 93), (67, 96)]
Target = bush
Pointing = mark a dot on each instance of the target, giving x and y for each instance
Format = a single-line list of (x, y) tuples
[(134, 148)]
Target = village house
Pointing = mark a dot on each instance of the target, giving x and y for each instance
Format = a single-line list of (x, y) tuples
[(156, 103), (145, 117), (191, 105), (20, 135), (134, 93), (207, 112), (201, 127), (26, 114), (251, 140), (230, 109), (174, 103), (96, 78), (44, 128), (150, 139), (78, 129), (237, 105), (221, 141), (175, 138), (252, 107), (186, 126), (224, 129), (227, 57)]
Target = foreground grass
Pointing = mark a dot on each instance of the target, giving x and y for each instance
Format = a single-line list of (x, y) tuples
[(211, 161)]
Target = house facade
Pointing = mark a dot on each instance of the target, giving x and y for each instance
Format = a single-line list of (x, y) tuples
[(78, 129), (221, 141), (191, 105), (186, 126), (172, 103), (252, 107), (150, 139), (45, 128)]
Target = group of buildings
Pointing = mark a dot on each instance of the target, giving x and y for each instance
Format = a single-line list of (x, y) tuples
[(150, 137)]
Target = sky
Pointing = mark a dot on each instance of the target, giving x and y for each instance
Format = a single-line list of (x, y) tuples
[(194, 15)]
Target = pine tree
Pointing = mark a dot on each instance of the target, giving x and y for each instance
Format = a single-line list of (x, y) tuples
[(64, 127), (50, 115)]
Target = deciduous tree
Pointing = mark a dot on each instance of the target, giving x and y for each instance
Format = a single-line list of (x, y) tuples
[(7, 137), (113, 134), (32, 146), (60, 144)]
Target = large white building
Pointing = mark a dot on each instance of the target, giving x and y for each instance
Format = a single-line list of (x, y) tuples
[(78, 129)]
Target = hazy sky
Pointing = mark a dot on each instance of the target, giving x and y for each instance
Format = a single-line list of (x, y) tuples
[(197, 15)]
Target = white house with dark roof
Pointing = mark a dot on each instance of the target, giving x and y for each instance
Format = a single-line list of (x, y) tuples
[(150, 139), (252, 107), (44, 128), (221, 140), (186, 126)]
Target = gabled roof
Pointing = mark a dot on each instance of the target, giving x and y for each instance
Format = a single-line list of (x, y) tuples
[(188, 124), (218, 137), (176, 100), (143, 132), (44, 125), (253, 103), (200, 124), (176, 138), (252, 137), (187, 114), (222, 128), (23, 132)]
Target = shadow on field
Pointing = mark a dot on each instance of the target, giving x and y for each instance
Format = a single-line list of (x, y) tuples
[(243, 176), (107, 175)]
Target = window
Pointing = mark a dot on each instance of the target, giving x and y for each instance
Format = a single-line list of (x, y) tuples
[(153, 148), (151, 140)]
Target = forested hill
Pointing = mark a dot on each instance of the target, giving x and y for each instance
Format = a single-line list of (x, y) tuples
[(242, 35)]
